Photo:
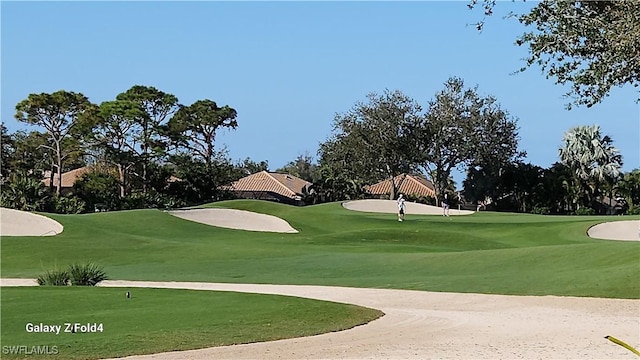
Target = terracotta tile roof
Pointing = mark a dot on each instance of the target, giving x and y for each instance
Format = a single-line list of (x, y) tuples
[(68, 178), (283, 184), (412, 185)]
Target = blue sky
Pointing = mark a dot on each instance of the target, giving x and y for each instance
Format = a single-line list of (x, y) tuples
[(289, 67)]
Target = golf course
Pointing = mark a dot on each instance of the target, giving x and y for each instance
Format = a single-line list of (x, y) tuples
[(484, 253)]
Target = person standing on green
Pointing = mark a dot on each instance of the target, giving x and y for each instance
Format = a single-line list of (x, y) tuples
[(401, 208)]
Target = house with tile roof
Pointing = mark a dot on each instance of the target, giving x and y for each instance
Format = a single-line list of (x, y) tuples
[(68, 178), (412, 185), (271, 186)]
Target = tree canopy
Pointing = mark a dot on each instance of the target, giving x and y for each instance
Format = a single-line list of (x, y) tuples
[(592, 46), (592, 159), (194, 127), (62, 115), (375, 139), (461, 128)]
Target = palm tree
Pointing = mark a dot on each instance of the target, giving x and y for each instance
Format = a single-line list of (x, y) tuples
[(592, 158)]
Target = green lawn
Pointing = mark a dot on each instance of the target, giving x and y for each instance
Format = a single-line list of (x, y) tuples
[(482, 253), (157, 320)]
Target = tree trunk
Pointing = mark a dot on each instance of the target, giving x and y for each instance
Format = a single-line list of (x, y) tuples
[(122, 181), (59, 169)]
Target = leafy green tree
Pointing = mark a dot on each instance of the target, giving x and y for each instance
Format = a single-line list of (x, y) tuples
[(460, 129), (515, 189), (556, 192), (63, 115), (592, 159), (248, 167), (333, 186), (303, 167), (23, 155), (194, 128), (375, 140), (24, 192), (157, 107), (592, 46), (629, 188), (117, 134), (201, 183), (7, 153), (99, 190)]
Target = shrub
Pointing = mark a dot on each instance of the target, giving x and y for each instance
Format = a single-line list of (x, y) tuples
[(88, 274), (635, 210), (585, 211), (98, 190), (542, 210), (68, 205), (54, 278), (150, 199)]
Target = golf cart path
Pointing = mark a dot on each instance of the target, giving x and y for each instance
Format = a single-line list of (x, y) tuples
[(421, 325)]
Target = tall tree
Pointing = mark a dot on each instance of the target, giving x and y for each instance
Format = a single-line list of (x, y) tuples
[(376, 138), (158, 107), (62, 115), (116, 133), (194, 127), (7, 152), (592, 46), (28, 155), (591, 157), (461, 128), (629, 187)]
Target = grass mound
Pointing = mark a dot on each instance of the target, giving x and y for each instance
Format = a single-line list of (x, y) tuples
[(517, 254), (159, 320)]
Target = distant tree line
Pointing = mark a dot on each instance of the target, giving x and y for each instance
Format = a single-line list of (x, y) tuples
[(147, 150)]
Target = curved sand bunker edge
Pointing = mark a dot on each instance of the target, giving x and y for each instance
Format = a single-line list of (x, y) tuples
[(235, 219), (391, 207), (420, 324), (24, 223), (623, 230)]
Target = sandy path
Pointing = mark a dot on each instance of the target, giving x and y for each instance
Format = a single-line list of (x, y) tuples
[(424, 325)]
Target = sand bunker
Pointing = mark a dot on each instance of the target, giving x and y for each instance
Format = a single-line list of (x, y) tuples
[(616, 230), (434, 325), (23, 223), (391, 207), (236, 219)]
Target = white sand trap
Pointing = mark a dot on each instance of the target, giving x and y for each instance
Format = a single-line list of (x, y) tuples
[(432, 325), (391, 207), (236, 219), (616, 230), (23, 223)]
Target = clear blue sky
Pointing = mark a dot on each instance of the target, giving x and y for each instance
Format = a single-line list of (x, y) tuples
[(289, 67)]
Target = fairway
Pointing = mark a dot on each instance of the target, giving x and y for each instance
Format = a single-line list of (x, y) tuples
[(483, 253), (498, 253)]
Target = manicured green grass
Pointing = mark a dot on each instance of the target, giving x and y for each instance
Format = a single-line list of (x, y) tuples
[(483, 253), (157, 320)]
